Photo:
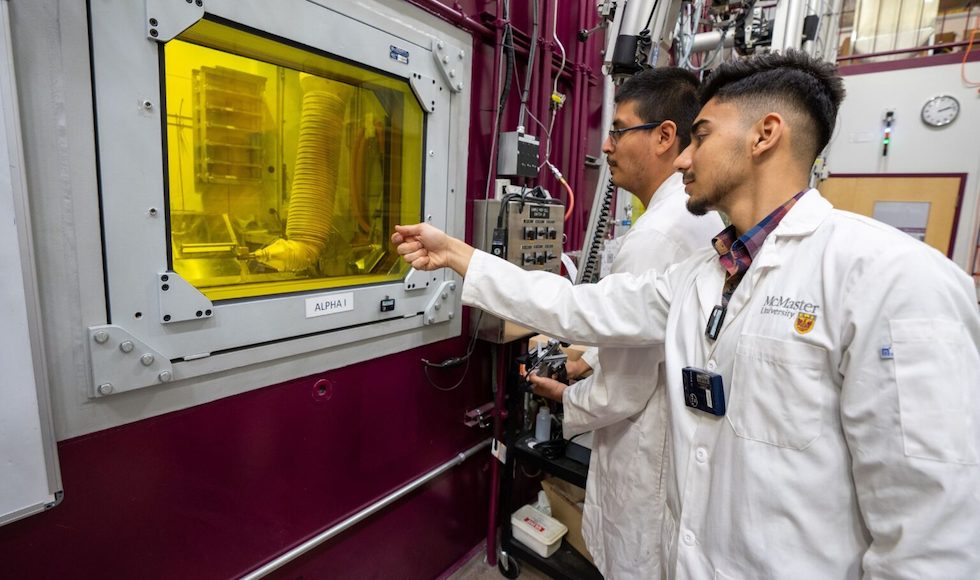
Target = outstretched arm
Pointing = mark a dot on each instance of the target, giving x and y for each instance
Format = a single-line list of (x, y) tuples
[(621, 310), (428, 248)]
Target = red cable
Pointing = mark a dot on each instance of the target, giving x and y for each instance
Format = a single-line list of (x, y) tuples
[(966, 55), (571, 199)]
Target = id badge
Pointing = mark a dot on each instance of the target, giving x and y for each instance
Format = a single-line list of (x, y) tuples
[(704, 391)]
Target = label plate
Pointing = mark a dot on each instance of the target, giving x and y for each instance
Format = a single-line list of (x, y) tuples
[(329, 304)]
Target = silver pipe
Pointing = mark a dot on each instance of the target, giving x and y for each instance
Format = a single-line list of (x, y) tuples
[(662, 31), (635, 15), (364, 513), (705, 41), (531, 46), (613, 31), (608, 105), (788, 31)]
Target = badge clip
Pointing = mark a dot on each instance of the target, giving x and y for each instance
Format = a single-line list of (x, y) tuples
[(714, 322)]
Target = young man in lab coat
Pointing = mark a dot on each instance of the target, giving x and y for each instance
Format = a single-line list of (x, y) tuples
[(624, 500), (846, 353)]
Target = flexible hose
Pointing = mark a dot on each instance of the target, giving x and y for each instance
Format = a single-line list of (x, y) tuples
[(311, 200), (568, 188), (571, 198), (358, 179)]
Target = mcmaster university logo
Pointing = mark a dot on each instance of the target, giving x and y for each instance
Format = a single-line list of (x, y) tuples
[(803, 313), (804, 322)]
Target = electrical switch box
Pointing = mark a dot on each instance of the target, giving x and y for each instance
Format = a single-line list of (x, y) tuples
[(518, 155), (526, 232)]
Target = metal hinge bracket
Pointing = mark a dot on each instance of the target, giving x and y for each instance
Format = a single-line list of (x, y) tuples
[(122, 362)]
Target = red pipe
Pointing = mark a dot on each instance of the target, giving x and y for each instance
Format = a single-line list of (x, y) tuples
[(902, 51), (582, 117), (498, 417), (576, 128), (499, 414), (485, 31), (543, 85), (489, 29), (456, 15)]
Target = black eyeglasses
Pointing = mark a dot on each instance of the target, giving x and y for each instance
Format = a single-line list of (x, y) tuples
[(615, 134)]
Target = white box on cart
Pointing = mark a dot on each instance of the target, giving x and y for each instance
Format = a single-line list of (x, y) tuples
[(538, 531)]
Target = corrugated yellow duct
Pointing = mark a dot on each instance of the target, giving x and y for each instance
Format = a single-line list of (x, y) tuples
[(311, 199)]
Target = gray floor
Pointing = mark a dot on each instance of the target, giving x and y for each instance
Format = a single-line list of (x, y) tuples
[(477, 569)]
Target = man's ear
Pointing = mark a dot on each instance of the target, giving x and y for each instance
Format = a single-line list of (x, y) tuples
[(767, 133), (666, 136)]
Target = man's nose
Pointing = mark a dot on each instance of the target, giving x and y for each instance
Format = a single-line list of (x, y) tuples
[(683, 161), (607, 145)]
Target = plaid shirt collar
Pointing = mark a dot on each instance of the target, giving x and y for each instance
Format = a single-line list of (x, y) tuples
[(736, 254)]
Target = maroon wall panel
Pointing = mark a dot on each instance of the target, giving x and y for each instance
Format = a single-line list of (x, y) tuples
[(221, 488), (216, 490)]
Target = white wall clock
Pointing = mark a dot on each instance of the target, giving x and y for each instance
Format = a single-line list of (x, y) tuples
[(940, 111)]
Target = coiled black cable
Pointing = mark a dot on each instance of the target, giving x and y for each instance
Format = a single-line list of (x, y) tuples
[(590, 264)]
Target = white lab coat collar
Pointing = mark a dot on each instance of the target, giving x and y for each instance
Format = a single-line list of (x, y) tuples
[(805, 216), (673, 185), (801, 220)]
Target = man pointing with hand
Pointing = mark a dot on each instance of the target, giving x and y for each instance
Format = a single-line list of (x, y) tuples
[(820, 366)]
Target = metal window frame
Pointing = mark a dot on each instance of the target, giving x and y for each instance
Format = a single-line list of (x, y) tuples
[(129, 353)]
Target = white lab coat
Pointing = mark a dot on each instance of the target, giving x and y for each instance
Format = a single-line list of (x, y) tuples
[(624, 497), (848, 450)]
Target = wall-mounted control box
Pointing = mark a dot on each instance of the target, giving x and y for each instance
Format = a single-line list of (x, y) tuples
[(526, 232)]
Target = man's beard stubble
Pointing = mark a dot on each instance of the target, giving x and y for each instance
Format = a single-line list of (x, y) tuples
[(702, 205)]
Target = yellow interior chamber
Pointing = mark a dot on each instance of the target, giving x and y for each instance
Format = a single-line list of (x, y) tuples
[(287, 168)]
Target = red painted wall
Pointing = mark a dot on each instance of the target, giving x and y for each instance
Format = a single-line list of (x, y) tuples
[(219, 489)]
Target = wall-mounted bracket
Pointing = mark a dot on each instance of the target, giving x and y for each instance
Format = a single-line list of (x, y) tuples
[(426, 90), (121, 362), (450, 60), (442, 307), (417, 280), (481, 416), (179, 300), (165, 19)]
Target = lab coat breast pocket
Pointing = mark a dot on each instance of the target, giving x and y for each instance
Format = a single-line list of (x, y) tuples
[(777, 394)]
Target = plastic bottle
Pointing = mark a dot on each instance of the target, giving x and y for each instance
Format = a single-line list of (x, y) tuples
[(542, 425), (543, 505)]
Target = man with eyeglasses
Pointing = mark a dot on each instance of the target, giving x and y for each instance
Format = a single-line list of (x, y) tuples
[(821, 366), (625, 491)]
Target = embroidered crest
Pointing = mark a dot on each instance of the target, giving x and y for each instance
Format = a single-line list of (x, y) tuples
[(804, 322)]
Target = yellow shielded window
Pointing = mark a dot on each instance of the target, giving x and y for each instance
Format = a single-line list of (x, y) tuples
[(287, 169)]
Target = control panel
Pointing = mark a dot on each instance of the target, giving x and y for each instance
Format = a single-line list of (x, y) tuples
[(526, 231)]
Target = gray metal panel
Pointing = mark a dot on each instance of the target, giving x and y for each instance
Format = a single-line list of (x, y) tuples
[(127, 76), (52, 62), (52, 54), (30, 479), (131, 153)]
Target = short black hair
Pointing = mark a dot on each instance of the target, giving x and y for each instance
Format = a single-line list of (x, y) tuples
[(794, 79), (664, 94)]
